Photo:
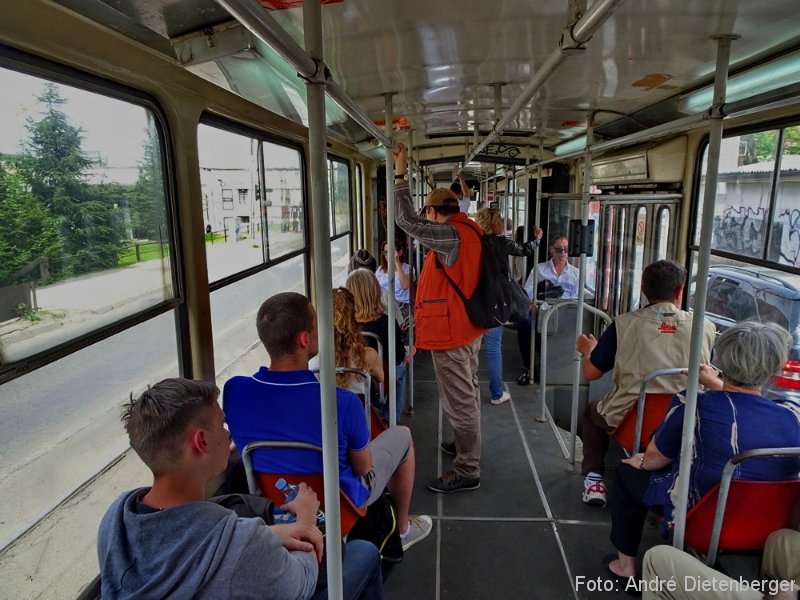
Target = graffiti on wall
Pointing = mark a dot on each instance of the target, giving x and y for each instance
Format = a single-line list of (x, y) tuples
[(741, 230)]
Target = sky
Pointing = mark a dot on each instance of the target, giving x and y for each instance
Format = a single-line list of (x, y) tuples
[(111, 128)]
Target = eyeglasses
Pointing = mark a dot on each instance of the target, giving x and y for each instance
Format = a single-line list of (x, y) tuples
[(559, 249)]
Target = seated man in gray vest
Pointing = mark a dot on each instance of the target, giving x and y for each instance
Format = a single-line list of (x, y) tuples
[(654, 337)]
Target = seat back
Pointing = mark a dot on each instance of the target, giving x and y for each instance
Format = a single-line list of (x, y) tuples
[(265, 482), (373, 338), (655, 408), (644, 417), (737, 515), (367, 377)]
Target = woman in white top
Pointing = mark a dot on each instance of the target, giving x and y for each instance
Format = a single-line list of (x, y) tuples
[(402, 280), (349, 347)]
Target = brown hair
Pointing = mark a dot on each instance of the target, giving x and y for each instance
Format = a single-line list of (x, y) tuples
[(280, 319), (348, 345), (157, 420)]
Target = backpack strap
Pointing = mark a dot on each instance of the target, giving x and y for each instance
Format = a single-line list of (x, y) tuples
[(440, 266)]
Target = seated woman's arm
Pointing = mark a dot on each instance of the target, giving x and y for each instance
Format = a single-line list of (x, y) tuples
[(374, 364), (649, 460)]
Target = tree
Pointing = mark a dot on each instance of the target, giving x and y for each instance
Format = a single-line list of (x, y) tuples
[(147, 199), (27, 232), (54, 166)]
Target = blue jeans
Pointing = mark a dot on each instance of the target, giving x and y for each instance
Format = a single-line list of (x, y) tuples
[(400, 374), (492, 344), (361, 573)]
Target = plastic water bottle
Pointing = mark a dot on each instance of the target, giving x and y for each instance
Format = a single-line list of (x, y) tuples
[(289, 492)]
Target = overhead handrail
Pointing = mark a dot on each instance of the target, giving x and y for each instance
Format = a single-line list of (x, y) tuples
[(580, 33), (256, 19), (545, 415)]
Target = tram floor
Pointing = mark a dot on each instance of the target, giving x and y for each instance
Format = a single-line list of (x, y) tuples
[(525, 532)]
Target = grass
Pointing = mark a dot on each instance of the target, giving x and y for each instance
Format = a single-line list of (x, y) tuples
[(147, 251)]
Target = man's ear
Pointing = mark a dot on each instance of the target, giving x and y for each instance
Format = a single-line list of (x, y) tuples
[(303, 339), (199, 444)]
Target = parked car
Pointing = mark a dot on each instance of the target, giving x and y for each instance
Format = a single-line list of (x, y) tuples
[(758, 293)]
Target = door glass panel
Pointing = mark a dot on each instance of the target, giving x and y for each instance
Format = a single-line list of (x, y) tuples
[(784, 247), (638, 256), (662, 241)]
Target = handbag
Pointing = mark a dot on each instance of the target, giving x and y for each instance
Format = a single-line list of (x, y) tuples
[(520, 303)]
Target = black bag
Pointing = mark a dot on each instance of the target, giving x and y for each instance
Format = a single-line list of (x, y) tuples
[(521, 304), (491, 303), (379, 526)]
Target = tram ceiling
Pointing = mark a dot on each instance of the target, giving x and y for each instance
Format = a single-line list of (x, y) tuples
[(454, 67)]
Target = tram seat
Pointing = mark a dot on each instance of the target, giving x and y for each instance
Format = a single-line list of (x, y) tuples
[(265, 482), (737, 515), (643, 418), (364, 398), (370, 337), (655, 407)]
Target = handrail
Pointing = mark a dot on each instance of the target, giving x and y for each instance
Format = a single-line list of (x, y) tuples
[(377, 339), (637, 436), (367, 387), (543, 369), (581, 32), (724, 489), (247, 460), (256, 19)]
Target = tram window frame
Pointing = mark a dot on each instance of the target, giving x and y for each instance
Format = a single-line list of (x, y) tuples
[(698, 197), (213, 120), (35, 66)]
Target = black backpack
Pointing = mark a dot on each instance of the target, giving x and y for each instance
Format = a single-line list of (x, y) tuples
[(491, 303)]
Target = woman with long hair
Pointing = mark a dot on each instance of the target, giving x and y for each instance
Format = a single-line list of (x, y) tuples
[(348, 345), (372, 317), (402, 280)]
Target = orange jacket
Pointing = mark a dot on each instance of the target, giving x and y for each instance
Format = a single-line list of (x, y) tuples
[(441, 318)]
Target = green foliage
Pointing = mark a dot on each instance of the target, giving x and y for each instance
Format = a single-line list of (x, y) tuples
[(25, 312), (27, 230), (147, 197), (54, 167)]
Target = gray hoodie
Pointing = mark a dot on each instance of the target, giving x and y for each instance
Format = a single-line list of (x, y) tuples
[(196, 550)]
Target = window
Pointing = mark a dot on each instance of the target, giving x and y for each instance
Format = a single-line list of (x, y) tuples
[(85, 243), (227, 199), (757, 203), (662, 233), (638, 257), (339, 192), (257, 228)]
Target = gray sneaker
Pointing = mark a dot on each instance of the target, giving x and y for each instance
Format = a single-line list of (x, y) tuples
[(419, 528), (453, 482)]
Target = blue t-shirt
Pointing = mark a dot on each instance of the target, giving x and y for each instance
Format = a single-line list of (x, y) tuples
[(285, 405), (727, 423)]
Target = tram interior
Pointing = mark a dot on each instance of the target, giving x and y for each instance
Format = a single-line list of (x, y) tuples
[(512, 95)]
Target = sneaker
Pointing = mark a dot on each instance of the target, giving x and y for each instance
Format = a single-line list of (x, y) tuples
[(595, 494), (418, 529), (453, 482), (505, 397), (525, 378), (448, 448)]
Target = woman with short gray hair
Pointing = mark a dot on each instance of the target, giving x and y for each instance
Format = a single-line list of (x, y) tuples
[(732, 416)]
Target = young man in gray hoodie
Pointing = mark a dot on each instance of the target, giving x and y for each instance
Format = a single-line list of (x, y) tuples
[(167, 541)]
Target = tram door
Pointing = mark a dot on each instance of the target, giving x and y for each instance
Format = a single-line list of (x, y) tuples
[(632, 234)]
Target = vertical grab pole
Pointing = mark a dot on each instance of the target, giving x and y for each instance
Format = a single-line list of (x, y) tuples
[(587, 182), (412, 182), (701, 285), (320, 211), (535, 279), (391, 301)]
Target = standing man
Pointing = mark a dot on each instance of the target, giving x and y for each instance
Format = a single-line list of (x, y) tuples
[(656, 336), (460, 188), (443, 326)]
